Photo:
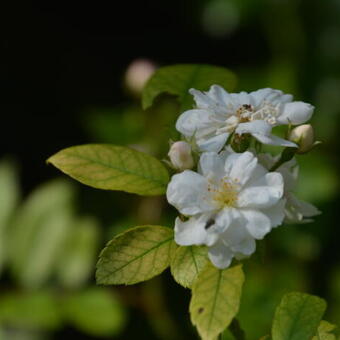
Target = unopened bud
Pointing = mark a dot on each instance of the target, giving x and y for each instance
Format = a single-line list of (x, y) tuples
[(180, 156), (303, 136)]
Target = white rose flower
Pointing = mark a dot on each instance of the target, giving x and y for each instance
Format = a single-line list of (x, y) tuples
[(219, 113), (230, 202), (296, 211)]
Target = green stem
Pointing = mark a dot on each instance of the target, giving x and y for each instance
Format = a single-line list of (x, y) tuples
[(236, 330)]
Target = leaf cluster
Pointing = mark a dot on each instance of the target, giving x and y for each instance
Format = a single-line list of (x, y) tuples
[(144, 252), (43, 238)]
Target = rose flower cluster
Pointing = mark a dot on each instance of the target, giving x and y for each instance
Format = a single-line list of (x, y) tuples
[(228, 193)]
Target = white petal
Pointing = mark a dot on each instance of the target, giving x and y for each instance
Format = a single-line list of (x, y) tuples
[(296, 113), (188, 192), (241, 98), (273, 140), (236, 232), (307, 209), (244, 248), (207, 101), (223, 219), (289, 177), (211, 164), (222, 97), (201, 99), (193, 232), (240, 167), (297, 210), (263, 193), (270, 95), (261, 130), (220, 255), (276, 213), (257, 223), (191, 122), (267, 160), (216, 224), (255, 127), (237, 237), (260, 95), (214, 143)]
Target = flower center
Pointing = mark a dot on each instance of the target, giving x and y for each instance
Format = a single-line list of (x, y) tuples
[(224, 193), (247, 113), (244, 113), (267, 112)]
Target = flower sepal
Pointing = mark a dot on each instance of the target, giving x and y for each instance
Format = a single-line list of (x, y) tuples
[(286, 155), (240, 143)]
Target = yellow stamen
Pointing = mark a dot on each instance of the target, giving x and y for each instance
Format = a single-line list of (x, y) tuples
[(224, 193)]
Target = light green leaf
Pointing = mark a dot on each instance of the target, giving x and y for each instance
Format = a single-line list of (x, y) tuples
[(78, 257), (135, 255), (215, 299), (297, 317), (38, 233), (95, 311), (112, 167), (324, 331), (30, 310), (178, 79), (187, 263)]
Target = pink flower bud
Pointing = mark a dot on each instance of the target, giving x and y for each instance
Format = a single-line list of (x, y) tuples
[(180, 156), (137, 74)]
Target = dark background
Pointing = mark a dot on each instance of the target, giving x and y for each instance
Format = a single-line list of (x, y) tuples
[(60, 59)]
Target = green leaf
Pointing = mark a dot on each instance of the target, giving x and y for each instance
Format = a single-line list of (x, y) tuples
[(95, 311), (135, 255), (178, 79), (78, 257), (215, 299), (297, 317), (187, 263), (30, 310), (112, 167), (324, 331)]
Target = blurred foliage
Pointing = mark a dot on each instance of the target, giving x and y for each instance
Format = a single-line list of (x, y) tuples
[(50, 253), (95, 311), (9, 194)]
